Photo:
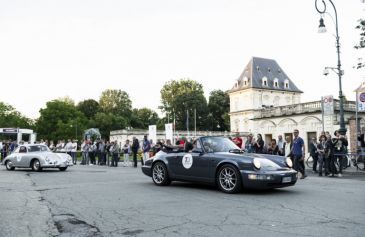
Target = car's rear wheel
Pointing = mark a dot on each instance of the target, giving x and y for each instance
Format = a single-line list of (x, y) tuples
[(9, 165), (63, 168), (36, 165), (229, 179), (160, 175)]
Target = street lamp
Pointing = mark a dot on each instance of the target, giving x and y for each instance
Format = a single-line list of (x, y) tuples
[(337, 70)]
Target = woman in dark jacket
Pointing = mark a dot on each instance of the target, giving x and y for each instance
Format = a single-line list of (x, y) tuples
[(259, 144)]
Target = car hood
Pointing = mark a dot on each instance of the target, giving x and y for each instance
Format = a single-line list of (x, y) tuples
[(271, 162)]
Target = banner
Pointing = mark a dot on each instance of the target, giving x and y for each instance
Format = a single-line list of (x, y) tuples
[(152, 133), (168, 131), (328, 105)]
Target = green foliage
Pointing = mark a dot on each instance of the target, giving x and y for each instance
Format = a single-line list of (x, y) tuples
[(218, 110), (59, 120), (361, 45), (107, 122), (143, 117), (10, 118), (89, 108), (116, 102), (180, 96)]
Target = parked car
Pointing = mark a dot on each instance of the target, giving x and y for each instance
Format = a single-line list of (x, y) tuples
[(218, 161), (36, 157)]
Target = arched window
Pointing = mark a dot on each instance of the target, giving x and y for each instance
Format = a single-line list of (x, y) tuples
[(264, 81), (276, 83), (245, 81), (286, 84)]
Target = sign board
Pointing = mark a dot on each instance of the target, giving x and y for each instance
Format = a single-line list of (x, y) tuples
[(10, 130), (361, 100), (152, 133), (168, 131), (328, 105)]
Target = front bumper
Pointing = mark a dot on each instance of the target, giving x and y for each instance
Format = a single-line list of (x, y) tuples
[(268, 179), (56, 164), (147, 170)]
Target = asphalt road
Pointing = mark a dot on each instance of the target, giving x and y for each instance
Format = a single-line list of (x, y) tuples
[(106, 201)]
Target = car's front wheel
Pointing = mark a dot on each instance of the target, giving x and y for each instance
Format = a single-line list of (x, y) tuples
[(9, 165), (160, 175), (63, 168), (229, 179), (36, 165)]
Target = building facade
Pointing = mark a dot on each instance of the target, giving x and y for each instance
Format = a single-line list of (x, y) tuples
[(265, 100)]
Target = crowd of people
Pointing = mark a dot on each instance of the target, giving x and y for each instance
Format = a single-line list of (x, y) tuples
[(325, 152)]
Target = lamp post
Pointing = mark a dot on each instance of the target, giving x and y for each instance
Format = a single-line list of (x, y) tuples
[(339, 72)]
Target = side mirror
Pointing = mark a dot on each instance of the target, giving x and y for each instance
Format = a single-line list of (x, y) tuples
[(197, 150)]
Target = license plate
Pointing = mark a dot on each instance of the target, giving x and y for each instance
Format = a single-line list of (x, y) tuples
[(286, 179)]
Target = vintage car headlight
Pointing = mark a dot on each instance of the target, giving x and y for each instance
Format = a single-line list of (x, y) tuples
[(288, 162), (256, 163), (46, 159)]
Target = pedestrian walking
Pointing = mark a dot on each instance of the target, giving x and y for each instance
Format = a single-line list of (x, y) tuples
[(249, 144), (288, 145), (280, 145), (298, 153)]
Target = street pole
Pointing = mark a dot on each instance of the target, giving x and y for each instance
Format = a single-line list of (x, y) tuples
[(342, 129), (322, 104)]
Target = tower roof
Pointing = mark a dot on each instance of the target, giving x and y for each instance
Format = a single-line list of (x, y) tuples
[(263, 73)]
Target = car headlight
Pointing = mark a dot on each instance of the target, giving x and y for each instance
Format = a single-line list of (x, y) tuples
[(288, 162), (256, 163)]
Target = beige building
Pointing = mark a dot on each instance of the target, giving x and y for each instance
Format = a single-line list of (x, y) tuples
[(265, 100)]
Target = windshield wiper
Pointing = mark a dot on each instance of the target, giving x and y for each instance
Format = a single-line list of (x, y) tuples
[(236, 151)]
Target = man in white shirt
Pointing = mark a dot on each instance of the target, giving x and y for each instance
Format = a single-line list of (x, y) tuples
[(73, 151)]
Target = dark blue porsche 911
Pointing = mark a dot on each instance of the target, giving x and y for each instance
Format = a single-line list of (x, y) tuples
[(218, 161)]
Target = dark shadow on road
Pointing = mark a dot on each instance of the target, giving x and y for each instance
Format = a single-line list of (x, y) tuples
[(206, 187)]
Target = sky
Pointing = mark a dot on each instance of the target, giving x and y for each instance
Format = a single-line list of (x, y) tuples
[(78, 48)]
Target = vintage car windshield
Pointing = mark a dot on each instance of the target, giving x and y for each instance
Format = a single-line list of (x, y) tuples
[(37, 148), (218, 144)]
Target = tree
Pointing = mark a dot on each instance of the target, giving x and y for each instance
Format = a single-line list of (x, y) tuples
[(143, 117), (88, 107), (10, 118), (182, 98), (107, 122), (218, 110), (59, 120), (116, 102), (361, 45)]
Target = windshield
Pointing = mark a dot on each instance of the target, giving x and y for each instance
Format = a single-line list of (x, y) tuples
[(218, 144), (37, 148)]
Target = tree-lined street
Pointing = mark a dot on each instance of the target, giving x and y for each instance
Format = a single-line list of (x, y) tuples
[(104, 201)]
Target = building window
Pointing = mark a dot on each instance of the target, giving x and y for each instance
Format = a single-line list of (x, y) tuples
[(276, 83), (264, 81), (245, 81), (286, 84)]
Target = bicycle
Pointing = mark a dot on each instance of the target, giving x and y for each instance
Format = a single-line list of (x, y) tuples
[(309, 162), (345, 161), (358, 160)]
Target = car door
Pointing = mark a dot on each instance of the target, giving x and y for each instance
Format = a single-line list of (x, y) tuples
[(194, 166), (22, 157)]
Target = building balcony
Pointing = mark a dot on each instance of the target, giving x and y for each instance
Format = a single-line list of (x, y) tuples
[(302, 108)]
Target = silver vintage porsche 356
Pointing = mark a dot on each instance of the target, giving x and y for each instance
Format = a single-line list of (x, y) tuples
[(36, 157)]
